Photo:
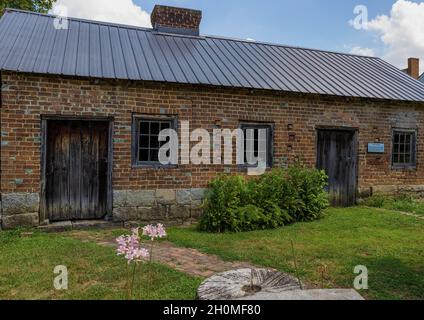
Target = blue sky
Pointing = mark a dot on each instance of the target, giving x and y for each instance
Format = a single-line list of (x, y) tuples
[(309, 23)]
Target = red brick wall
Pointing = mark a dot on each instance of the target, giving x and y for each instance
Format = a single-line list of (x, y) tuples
[(26, 97)]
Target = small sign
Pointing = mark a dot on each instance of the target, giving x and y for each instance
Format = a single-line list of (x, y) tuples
[(376, 148)]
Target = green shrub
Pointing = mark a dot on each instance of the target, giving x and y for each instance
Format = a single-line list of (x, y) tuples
[(377, 201), (247, 218), (275, 199), (225, 194), (404, 202), (305, 198)]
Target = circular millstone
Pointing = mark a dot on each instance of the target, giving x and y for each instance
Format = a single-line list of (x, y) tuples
[(242, 283)]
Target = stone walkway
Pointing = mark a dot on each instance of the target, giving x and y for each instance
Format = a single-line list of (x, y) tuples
[(412, 215), (409, 214), (190, 261)]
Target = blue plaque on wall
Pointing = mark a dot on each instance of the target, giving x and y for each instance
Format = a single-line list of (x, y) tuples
[(376, 148)]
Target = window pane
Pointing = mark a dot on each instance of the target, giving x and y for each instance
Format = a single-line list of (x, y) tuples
[(143, 155), (407, 148), (256, 136), (396, 137), (144, 127), (154, 155), (395, 158), (396, 149), (154, 141), (154, 128), (144, 141), (165, 125)]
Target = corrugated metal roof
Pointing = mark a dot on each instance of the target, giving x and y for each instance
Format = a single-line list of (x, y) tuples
[(421, 78), (30, 43)]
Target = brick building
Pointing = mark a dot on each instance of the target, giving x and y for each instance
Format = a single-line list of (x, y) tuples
[(82, 103)]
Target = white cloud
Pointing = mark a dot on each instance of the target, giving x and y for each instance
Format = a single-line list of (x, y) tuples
[(115, 11), (363, 51), (401, 32)]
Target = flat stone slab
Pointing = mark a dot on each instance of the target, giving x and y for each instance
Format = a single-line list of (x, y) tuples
[(57, 227), (265, 284), (95, 224), (245, 283), (80, 225), (320, 295)]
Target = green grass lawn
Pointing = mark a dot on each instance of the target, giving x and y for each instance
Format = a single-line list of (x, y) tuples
[(95, 272), (389, 244)]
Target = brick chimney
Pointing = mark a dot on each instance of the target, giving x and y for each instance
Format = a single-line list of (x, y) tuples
[(176, 20), (413, 68)]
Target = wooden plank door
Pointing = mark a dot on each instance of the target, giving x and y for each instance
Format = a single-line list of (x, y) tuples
[(76, 170), (337, 155)]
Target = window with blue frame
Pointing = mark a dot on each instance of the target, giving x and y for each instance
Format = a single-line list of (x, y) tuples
[(404, 148), (146, 142)]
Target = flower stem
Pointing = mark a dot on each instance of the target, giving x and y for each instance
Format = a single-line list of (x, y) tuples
[(128, 284), (151, 251), (295, 265), (132, 281), (140, 280)]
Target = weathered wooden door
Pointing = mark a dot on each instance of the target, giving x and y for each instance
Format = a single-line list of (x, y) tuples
[(76, 170), (337, 155)]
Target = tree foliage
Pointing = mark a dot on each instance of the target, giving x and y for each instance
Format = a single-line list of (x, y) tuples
[(42, 6)]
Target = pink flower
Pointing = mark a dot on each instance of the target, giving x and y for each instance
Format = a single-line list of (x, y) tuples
[(161, 232), (149, 230), (154, 232), (129, 247), (141, 253)]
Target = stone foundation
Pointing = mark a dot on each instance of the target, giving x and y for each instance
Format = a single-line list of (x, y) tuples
[(168, 206), (392, 190), (19, 210), (171, 207)]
